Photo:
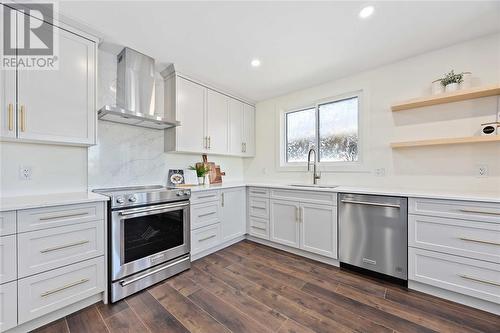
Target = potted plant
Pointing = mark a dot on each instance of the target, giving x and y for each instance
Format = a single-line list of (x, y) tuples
[(201, 171), (451, 81)]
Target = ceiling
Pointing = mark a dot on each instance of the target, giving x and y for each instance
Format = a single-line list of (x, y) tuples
[(300, 44)]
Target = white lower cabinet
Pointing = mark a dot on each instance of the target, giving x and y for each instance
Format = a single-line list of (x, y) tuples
[(285, 222), (42, 250), (258, 227), (204, 238), (303, 225), (467, 276), (46, 292), (8, 269), (233, 213), (318, 229), (8, 305)]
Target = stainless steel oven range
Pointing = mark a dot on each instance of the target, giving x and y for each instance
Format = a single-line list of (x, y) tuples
[(148, 236)]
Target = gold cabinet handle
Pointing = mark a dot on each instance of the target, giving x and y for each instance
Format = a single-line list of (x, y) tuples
[(476, 211), (478, 241), (209, 143), (493, 283), (69, 285), (11, 117), (61, 247), (23, 119)]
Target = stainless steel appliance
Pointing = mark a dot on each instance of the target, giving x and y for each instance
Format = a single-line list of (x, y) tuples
[(135, 93), (373, 233), (148, 236)]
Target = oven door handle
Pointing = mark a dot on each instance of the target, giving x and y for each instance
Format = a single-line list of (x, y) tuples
[(137, 211), (123, 283)]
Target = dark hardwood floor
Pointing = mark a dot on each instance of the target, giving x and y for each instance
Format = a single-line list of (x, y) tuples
[(253, 288)]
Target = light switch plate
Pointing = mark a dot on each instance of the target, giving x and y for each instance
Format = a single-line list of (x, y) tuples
[(25, 172)]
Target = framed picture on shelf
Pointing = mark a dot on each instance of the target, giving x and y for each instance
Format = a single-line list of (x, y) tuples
[(175, 177)]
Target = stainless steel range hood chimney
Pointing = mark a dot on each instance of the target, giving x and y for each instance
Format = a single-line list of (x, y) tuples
[(135, 93)]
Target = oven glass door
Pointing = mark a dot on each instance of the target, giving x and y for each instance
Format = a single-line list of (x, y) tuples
[(148, 236)]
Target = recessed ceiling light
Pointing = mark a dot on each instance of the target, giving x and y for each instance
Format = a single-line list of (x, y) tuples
[(255, 63), (366, 12)]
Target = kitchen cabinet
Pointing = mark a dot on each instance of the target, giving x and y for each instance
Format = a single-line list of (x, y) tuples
[(210, 121), (217, 122), (233, 213), (248, 130), (285, 222), (304, 220), (8, 306), (318, 229), (53, 106)]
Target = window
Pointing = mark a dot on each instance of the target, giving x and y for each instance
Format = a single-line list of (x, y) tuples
[(331, 127)]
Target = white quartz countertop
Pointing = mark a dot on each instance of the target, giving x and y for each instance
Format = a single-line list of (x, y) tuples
[(48, 200), (393, 191)]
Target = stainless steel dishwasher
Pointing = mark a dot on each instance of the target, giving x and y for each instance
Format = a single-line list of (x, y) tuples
[(373, 233)]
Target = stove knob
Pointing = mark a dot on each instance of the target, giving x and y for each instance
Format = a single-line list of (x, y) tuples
[(132, 199), (120, 200), (186, 193), (179, 194)]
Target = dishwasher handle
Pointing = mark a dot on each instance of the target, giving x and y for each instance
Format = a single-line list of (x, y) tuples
[(368, 203)]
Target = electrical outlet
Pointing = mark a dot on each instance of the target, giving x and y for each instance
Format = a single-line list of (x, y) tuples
[(380, 172), (25, 173), (482, 170)]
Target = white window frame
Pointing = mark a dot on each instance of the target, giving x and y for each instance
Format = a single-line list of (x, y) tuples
[(355, 166)]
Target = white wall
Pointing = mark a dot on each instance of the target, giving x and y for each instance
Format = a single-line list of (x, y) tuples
[(445, 167), (128, 155)]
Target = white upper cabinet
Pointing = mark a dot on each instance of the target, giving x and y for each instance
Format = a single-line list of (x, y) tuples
[(217, 122), (210, 121), (190, 111), (236, 109), (53, 106), (248, 130)]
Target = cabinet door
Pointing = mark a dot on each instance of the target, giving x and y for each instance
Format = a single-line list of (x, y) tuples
[(249, 130), (8, 122), (191, 113), (59, 105), (318, 229), (8, 305), (217, 122), (233, 204), (285, 222), (236, 110)]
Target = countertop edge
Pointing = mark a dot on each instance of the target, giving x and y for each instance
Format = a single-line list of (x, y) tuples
[(49, 200)]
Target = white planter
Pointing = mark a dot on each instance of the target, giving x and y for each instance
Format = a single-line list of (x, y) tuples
[(201, 180), (451, 87)]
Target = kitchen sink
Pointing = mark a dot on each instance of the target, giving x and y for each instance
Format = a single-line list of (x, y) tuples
[(314, 185)]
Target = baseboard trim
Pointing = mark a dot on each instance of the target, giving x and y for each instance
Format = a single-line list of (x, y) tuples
[(305, 254), (58, 314), (455, 297), (219, 247)]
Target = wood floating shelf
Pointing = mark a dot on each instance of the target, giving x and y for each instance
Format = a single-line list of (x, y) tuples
[(446, 141), (455, 96)]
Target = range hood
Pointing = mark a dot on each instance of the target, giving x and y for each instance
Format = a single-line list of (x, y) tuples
[(135, 93)]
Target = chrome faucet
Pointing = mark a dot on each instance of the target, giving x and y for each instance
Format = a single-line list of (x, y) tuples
[(316, 175)]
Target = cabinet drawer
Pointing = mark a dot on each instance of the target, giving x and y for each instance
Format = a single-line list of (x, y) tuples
[(204, 196), (471, 239), (258, 192), (258, 207), (56, 289), (43, 218), (8, 271), (7, 223), (325, 198), (467, 210), (467, 276), (204, 214), (42, 250), (8, 306), (258, 227), (205, 238)]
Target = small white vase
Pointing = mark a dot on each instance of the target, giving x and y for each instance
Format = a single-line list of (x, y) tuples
[(201, 180), (451, 87), (467, 82)]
